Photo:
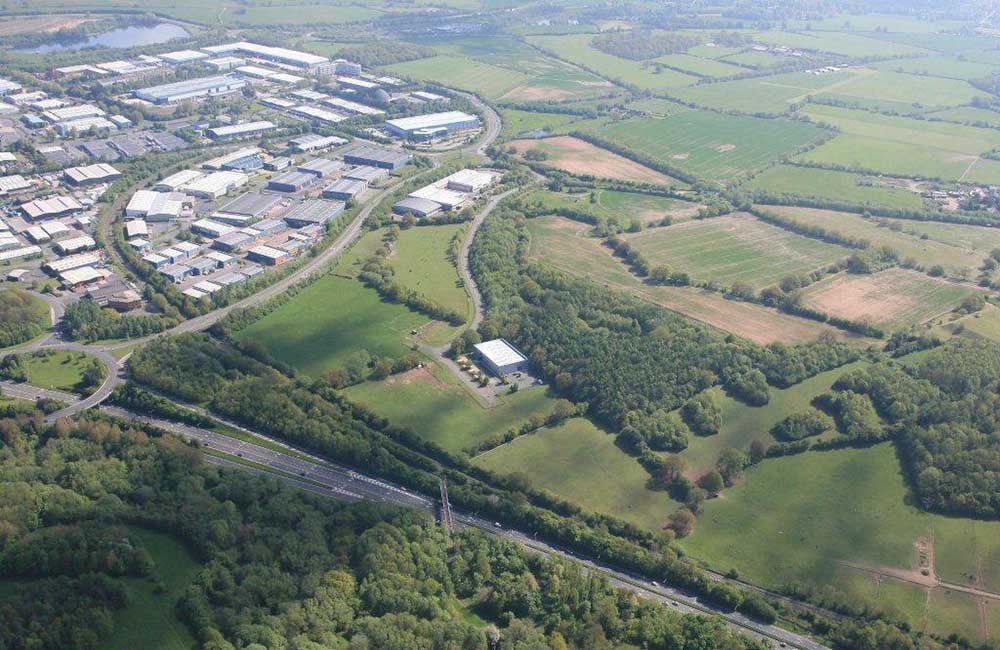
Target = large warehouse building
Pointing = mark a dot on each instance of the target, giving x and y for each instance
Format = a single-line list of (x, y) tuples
[(500, 357), (191, 89), (432, 125), (375, 157), (312, 62)]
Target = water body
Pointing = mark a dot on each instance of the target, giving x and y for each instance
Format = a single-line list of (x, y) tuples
[(121, 37)]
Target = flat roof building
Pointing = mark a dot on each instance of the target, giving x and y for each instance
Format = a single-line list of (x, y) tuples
[(313, 142), (419, 208), (314, 211), (153, 206), (422, 127), (356, 108), (268, 255), (321, 167), (240, 130), (136, 228), (69, 113), (312, 62), (290, 181), (216, 184), (176, 272), (376, 157), (367, 175), (233, 242), (500, 357), (82, 276), (344, 189), (72, 262), (177, 181), (226, 159), (75, 245), (278, 163), (91, 174), (252, 204), (449, 199), (191, 89), (182, 56), (210, 228), (470, 181), (315, 114), (73, 127)]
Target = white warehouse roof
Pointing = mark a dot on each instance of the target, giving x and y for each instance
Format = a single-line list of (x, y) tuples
[(431, 120), (499, 352)]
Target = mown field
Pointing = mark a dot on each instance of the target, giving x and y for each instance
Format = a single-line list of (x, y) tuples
[(57, 369), (613, 205), (846, 506), (421, 261), (710, 145), (928, 252), (584, 159), (834, 186), (979, 239), (904, 90), (735, 248), (519, 123), (565, 245), (580, 463), (948, 67), (436, 407), (463, 73), (896, 298), (769, 94)]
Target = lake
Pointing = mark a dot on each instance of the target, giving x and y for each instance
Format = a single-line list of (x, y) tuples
[(121, 37)]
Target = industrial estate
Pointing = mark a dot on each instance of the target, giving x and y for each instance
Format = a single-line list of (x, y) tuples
[(516, 326)]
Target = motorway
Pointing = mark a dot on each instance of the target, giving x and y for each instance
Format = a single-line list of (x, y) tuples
[(314, 474)]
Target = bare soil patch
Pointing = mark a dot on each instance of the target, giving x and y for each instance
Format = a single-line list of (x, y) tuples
[(536, 93), (726, 147), (13, 26), (415, 375), (582, 158)]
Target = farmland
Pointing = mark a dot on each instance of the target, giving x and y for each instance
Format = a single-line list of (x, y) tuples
[(580, 157), (616, 206), (563, 244), (580, 463), (735, 248), (834, 186), (770, 94), (699, 66), (928, 252), (837, 43), (710, 145), (519, 123), (903, 90), (894, 298), (846, 506), (467, 74)]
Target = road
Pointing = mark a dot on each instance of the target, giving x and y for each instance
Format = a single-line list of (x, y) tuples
[(316, 475)]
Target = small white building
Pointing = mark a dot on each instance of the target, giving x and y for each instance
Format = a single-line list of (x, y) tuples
[(500, 357)]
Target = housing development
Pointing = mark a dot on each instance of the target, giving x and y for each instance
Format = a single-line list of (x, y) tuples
[(517, 326)]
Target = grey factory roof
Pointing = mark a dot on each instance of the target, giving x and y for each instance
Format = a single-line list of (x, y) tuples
[(381, 155), (252, 204)]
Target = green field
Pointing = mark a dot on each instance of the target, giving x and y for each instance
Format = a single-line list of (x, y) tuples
[(758, 60), (797, 518), (431, 402), (150, 616), (18, 308), (852, 45), (619, 207), (938, 66), (735, 248), (771, 94), (466, 74), (580, 463), (980, 239), (895, 298), (899, 158), (420, 260), (519, 123), (928, 252), (710, 145), (984, 324), (577, 48), (700, 66), (968, 114), (834, 186), (57, 369), (906, 90)]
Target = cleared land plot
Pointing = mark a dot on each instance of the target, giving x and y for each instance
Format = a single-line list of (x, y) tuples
[(942, 136), (710, 145), (852, 45), (902, 159), (467, 74), (742, 424), (577, 48), (702, 67), (835, 186), (907, 90), (564, 244), (895, 297), (420, 260), (939, 66), (580, 463), (771, 94), (582, 158), (847, 506), (519, 123), (429, 401), (735, 248), (927, 252)]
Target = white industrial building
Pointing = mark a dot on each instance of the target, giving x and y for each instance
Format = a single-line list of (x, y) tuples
[(178, 181), (153, 206), (353, 107), (225, 159), (74, 127), (314, 63), (216, 184), (500, 357), (13, 183), (75, 245), (72, 262), (70, 113), (470, 181), (53, 206), (180, 91), (91, 174), (136, 228), (240, 130), (317, 114), (212, 229), (432, 125)]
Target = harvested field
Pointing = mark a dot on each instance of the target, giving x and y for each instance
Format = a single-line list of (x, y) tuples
[(580, 157), (13, 26), (564, 244), (735, 248), (892, 297)]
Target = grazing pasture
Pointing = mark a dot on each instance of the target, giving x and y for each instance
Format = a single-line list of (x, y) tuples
[(581, 463), (710, 145), (582, 158), (834, 186), (564, 245), (928, 252), (895, 298), (735, 248)]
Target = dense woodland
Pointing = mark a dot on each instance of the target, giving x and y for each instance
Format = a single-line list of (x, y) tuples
[(280, 568), (22, 317)]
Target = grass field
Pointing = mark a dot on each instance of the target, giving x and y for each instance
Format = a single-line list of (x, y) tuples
[(466, 74), (564, 245), (577, 48), (620, 207), (580, 157), (846, 506), (895, 297), (518, 123), (938, 66), (735, 248), (430, 401), (420, 260), (580, 463), (710, 145), (899, 158), (927, 252), (907, 90), (973, 238), (699, 66), (150, 616), (984, 324), (57, 369), (852, 45), (770, 94), (834, 186), (742, 424), (758, 60), (968, 114)]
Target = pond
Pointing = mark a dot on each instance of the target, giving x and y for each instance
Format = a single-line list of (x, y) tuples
[(131, 36)]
